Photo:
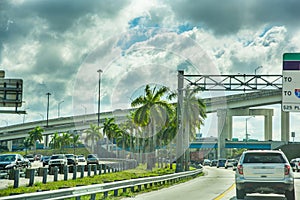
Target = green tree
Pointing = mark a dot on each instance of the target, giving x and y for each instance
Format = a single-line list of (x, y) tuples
[(93, 134), (75, 140), (109, 130), (65, 140), (36, 135), (27, 144), (194, 113), (153, 113), (55, 142)]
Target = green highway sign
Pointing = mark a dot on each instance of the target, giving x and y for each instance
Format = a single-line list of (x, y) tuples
[(291, 82)]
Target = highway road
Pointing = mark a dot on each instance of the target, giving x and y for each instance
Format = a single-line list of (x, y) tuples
[(217, 184)]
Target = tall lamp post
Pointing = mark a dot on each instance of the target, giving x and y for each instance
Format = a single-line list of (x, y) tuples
[(247, 135), (48, 94), (99, 85), (58, 108)]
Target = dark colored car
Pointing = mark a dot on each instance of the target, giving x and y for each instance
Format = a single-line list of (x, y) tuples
[(71, 159), (45, 160), (13, 161), (221, 162), (30, 157), (213, 163), (92, 159)]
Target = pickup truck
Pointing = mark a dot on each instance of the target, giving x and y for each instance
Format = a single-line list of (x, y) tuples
[(264, 171)]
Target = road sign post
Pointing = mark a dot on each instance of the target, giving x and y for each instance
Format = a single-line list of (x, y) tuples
[(291, 82)]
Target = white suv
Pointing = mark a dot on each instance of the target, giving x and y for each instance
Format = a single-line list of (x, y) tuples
[(59, 160), (264, 171)]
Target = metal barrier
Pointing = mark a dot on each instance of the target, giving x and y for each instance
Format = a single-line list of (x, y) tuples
[(104, 188)]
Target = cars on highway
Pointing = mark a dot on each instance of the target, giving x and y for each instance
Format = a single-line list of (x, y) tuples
[(81, 158), (92, 159), (59, 160), (13, 161), (221, 162), (206, 162), (45, 160), (264, 171), (295, 164), (30, 157), (213, 163), (230, 163), (71, 159)]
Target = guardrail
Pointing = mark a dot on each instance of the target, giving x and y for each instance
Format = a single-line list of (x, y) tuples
[(92, 190)]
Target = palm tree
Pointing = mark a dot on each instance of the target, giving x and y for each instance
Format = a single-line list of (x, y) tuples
[(28, 143), (93, 134), (36, 135), (55, 142), (167, 136), (153, 112), (65, 140), (109, 129), (75, 140)]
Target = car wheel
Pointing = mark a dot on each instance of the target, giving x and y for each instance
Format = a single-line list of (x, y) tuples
[(290, 195), (240, 194)]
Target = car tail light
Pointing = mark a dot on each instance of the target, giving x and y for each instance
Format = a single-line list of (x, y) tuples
[(298, 163), (287, 169), (240, 169)]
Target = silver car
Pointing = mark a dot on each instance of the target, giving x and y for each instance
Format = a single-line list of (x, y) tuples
[(264, 171)]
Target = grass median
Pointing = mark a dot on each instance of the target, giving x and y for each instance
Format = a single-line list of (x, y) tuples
[(139, 172)]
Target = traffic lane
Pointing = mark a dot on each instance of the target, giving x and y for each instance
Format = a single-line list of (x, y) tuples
[(211, 185), (231, 195)]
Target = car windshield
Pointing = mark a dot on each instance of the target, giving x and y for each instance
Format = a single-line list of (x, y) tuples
[(57, 157), (4, 158)]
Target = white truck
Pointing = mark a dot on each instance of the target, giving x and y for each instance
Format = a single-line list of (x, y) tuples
[(264, 171)]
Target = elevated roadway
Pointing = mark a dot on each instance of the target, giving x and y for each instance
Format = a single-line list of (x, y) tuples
[(82, 122)]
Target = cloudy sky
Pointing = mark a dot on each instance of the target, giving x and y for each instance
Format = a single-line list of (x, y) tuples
[(58, 46)]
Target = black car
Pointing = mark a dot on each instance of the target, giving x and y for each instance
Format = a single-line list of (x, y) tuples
[(13, 161), (45, 160), (71, 159), (30, 157)]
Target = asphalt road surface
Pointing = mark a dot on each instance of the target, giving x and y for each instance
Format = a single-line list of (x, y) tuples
[(217, 184)]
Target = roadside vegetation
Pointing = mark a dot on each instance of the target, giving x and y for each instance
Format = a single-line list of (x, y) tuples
[(139, 172)]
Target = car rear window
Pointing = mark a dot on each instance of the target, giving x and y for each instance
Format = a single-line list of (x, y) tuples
[(263, 158)]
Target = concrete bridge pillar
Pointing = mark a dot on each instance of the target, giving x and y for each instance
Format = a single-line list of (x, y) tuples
[(285, 126), (223, 128), (225, 124), (46, 141), (9, 145)]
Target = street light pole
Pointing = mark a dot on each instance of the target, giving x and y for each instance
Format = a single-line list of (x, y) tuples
[(99, 85), (58, 108), (48, 94), (247, 135)]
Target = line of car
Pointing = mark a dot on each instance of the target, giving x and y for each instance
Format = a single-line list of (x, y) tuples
[(17, 161), (222, 162)]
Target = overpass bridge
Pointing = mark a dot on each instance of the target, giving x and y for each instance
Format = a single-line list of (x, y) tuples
[(233, 105)]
